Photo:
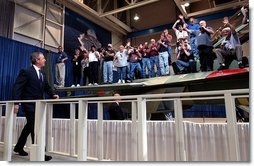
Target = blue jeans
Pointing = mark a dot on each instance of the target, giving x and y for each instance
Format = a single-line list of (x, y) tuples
[(115, 76), (169, 55), (128, 67), (133, 66), (146, 64), (108, 71), (121, 71), (182, 65), (194, 49), (163, 60), (155, 60)]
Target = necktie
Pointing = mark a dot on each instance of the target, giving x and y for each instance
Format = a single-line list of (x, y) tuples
[(40, 76)]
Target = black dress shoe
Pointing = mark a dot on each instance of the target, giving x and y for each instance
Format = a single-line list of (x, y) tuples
[(47, 158), (21, 152), (241, 65), (183, 72), (222, 67)]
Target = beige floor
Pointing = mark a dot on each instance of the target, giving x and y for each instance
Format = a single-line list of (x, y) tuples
[(17, 158)]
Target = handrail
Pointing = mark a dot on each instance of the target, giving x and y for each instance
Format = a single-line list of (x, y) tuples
[(147, 96)]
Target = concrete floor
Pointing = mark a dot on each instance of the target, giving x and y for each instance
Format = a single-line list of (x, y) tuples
[(17, 158)]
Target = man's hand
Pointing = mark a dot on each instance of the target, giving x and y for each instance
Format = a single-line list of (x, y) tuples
[(16, 109), (225, 21), (55, 97), (180, 16), (63, 60)]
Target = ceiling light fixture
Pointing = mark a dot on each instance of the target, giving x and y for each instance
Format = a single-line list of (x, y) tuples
[(136, 17)]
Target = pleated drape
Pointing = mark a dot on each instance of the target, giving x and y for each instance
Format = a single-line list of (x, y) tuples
[(7, 9), (204, 141), (15, 56)]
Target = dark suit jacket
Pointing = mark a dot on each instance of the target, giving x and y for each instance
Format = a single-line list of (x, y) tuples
[(29, 87), (115, 112)]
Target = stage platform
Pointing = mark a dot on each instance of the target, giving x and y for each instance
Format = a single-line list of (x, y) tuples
[(200, 81)]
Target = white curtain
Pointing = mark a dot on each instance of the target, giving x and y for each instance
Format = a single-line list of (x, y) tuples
[(204, 141)]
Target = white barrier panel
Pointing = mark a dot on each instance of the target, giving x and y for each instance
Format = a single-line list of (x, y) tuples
[(93, 140)]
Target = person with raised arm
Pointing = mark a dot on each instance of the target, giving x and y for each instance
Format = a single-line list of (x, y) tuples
[(230, 47)]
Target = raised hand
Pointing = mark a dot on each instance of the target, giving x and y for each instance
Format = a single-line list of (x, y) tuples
[(225, 20), (180, 16)]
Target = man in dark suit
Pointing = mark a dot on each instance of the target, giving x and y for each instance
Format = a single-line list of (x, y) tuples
[(31, 84), (115, 110)]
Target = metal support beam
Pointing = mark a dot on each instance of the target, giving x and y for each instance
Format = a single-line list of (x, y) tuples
[(8, 133), (181, 8), (115, 7), (134, 134), (142, 130), (179, 130), (120, 23), (14, 137), (55, 20), (82, 130), (49, 143), (28, 23), (44, 23), (104, 7), (85, 7), (233, 138), (63, 20), (100, 131), (190, 1), (216, 9), (93, 16), (73, 129), (27, 8), (127, 1), (38, 148), (52, 36), (99, 9), (131, 6)]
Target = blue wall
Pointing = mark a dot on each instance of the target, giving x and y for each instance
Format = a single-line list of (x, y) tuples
[(15, 56)]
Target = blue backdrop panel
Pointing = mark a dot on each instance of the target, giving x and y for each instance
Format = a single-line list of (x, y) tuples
[(15, 56), (81, 33)]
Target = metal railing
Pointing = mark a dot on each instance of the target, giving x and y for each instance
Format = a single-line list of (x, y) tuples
[(44, 112)]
